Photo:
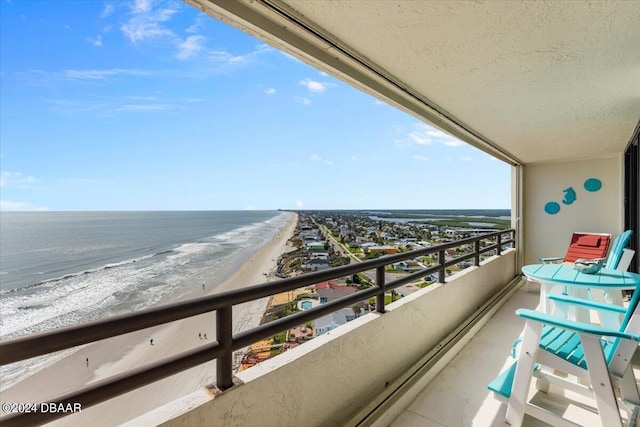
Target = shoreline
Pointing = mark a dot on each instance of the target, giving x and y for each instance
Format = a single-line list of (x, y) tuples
[(118, 354)]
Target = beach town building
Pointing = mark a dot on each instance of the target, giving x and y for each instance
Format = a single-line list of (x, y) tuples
[(331, 321), (550, 88), (327, 292), (330, 291), (317, 264), (386, 249)]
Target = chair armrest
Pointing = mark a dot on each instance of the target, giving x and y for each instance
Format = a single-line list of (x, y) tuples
[(551, 259), (572, 325), (588, 303)]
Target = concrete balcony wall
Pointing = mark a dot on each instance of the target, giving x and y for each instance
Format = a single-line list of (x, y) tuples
[(328, 379), (601, 211)]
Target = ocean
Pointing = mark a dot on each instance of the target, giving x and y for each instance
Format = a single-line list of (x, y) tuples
[(62, 268)]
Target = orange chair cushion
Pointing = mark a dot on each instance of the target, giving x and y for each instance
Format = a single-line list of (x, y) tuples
[(590, 246)]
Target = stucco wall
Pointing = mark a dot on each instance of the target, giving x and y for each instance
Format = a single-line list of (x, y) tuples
[(330, 377), (592, 211)]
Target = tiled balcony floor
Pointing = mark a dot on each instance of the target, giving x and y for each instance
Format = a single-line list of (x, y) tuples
[(458, 396)]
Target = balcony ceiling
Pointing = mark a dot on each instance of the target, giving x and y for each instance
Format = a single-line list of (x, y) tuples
[(538, 81)]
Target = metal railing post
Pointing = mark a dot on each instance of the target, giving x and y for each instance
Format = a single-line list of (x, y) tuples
[(476, 249), (381, 284), (499, 241), (441, 272), (224, 336)]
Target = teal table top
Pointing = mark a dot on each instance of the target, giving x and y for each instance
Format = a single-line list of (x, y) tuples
[(566, 275)]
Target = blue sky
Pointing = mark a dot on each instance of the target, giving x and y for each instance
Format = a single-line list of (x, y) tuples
[(155, 106)]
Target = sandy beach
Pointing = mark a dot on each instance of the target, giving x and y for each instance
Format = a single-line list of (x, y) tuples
[(109, 357)]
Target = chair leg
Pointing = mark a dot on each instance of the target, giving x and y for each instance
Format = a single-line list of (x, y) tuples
[(629, 387), (524, 370), (601, 382), (542, 385)]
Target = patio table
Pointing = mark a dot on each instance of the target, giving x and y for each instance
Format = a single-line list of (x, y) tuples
[(578, 284)]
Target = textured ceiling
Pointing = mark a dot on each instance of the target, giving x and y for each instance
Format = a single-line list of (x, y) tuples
[(543, 80)]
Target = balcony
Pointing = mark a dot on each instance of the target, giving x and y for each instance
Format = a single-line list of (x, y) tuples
[(512, 92)]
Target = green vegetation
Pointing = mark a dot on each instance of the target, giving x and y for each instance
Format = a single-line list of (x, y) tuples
[(426, 283), (387, 299), (280, 338), (373, 255), (494, 223)]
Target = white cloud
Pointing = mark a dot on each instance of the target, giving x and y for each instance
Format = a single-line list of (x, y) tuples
[(221, 56), (317, 158), (299, 203), (108, 10), (73, 181), (145, 107), (314, 86), (419, 138), (18, 180), (421, 158), (423, 134), (141, 6), (445, 139), (270, 91), (305, 101), (189, 47), (8, 205), (101, 74), (195, 27), (146, 23), (452, 142), (67, 27), (466, 159), (96, 41)]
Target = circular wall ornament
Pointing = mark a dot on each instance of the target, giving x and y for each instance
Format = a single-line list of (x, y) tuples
[(552, 208), (592, 184)]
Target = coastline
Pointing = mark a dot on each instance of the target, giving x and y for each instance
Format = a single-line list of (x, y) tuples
[(113, 356)]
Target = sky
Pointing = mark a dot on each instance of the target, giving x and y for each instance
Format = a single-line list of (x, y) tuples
[(153, 105)]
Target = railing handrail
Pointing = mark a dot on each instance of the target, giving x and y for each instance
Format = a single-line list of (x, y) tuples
[(24, 347)]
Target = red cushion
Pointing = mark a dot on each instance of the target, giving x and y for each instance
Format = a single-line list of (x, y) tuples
[(592, 241)]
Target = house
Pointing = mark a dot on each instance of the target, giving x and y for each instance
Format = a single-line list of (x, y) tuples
[(329, 291), (315, 245), (408, 265), (317, 264), (383, 249), (331, 321)]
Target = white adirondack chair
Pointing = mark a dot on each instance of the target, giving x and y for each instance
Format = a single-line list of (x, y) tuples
[(598, 358)]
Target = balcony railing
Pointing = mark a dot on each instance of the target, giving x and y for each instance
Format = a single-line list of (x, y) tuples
[(25, 347)]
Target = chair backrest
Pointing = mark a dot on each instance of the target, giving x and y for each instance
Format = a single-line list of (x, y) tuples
[(588, 245), (617, 249), (625, 259)]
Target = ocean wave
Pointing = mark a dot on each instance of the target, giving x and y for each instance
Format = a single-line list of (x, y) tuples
[(131, 284)]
